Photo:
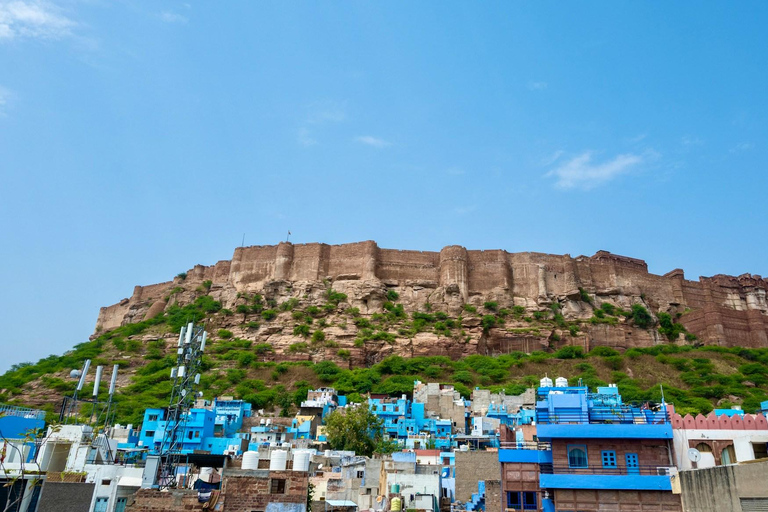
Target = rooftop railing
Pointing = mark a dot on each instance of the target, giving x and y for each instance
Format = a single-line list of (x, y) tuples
[(621, 416), (21, 412), (526, 445), (599, 470)]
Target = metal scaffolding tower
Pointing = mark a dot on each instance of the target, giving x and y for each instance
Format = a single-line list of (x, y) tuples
[(186, 379)]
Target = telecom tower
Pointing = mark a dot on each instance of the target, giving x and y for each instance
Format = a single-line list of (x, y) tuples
[(186, 379)]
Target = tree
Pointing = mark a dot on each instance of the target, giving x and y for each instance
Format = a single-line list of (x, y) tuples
[(641, 317), (244, 310), (354, 428)]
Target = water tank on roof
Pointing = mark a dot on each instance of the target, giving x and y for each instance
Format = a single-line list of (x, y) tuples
[(301, 460), (277, 460), (251, 460), (546, 382), (561, 382)]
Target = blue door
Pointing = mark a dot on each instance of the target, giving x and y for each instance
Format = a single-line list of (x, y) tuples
[(120, 505), (101, 505), (632, 466)]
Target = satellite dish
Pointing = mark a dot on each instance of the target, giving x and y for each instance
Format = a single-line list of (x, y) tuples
[(694, 455), (75, 374)]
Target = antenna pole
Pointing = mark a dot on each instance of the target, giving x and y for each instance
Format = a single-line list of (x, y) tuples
[(242, 244)]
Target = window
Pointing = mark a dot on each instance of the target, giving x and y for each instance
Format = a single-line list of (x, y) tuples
[(526, 500), (277, 486), (577, 456), (106, 481), (197, 434), (152, 417), (633, 467), (529, 501), (609, 458), (150, 433), (361, 474), (760, 450), (514, 500)]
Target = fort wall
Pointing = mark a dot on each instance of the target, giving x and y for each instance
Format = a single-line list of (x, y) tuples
[(721, 309)]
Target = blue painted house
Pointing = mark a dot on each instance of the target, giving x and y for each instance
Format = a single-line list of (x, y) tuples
[(592, 452), (198, 425), (17, 428), (229, 415)]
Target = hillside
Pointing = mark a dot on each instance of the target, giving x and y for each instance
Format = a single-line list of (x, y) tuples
[(375, 320)]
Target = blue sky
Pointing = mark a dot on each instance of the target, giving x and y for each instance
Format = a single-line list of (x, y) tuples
[(138, 139)]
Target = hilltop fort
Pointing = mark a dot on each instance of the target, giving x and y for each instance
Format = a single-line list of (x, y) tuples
[(464, 286)]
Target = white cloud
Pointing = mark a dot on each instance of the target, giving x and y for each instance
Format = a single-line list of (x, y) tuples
[(327, 112), (321, 113), (537, 86), (372, 141), (582, 172), (741, 147), (689, 140), (554, 157), (305, 139), (636, 139), (172, 17), (34, 19), (5, 95)]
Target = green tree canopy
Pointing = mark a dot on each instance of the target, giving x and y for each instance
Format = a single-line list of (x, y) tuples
[(354, 428)]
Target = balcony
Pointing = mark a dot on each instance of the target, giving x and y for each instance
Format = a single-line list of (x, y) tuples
[(530, 452), (643, 478), (622, 422)]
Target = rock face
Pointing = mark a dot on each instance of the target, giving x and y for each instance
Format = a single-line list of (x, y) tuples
[(721, 310)]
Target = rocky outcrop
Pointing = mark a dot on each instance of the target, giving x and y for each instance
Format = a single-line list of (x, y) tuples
[(723, 310)]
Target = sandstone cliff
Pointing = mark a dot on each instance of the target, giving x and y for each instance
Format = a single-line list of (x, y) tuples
[(722, 310)]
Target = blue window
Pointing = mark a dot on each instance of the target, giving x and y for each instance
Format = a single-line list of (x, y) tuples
[(514, 501), (526, 500), (609, 458), (577, 456), (632, 464)]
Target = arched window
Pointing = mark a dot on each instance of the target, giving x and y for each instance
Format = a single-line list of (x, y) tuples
[(577, 456), (728, 456), (704, 448)]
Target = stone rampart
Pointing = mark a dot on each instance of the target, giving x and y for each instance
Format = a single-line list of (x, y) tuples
[(725, 310)]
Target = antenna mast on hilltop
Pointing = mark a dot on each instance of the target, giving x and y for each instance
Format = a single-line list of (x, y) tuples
[(186, 379)]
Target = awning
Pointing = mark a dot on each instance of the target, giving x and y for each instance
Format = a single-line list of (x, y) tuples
[(129, 481), (341, 503)]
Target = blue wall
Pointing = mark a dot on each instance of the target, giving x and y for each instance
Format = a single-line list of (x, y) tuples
[(617, 482)]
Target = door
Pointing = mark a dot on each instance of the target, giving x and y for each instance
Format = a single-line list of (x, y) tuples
[(633, 468), (101, 505), (120, 505)]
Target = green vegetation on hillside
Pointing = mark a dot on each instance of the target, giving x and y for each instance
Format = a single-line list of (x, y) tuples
[(694, 379)]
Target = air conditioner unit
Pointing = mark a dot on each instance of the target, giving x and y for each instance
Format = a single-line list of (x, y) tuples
[(663, 471)]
